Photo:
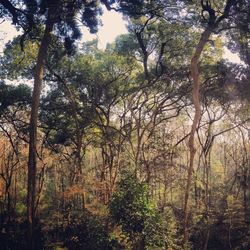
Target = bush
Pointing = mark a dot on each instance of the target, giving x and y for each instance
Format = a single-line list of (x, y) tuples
[(88, 232), (131, 209)]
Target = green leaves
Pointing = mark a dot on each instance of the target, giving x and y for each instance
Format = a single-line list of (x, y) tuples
[(16, 63), (14, 95), (131, 208)]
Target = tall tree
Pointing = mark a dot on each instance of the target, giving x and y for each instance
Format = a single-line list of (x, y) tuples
[(61, 15), (58, 14), (38, 77), (213, 20)]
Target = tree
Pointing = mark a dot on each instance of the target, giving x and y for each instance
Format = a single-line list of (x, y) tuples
[(52, 10), (212, 23)]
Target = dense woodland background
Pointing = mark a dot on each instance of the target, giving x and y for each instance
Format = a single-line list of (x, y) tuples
[(143, 145)]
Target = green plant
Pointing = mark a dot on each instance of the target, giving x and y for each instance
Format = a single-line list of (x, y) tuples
[(140, 220)]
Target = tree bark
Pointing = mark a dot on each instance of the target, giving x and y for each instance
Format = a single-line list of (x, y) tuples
[(196, 101), (213, 23), (32, 161)]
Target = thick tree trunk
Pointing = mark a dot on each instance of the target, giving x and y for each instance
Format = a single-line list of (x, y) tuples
[(32, 162), (196, 101)]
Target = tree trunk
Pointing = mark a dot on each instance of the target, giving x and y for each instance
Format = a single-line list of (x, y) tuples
[(32, 162), (196, 101)]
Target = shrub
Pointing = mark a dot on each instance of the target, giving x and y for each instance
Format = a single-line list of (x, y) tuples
[(131, 209)]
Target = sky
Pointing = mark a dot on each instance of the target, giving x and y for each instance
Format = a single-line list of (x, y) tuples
[(113, 25), (7, 32)]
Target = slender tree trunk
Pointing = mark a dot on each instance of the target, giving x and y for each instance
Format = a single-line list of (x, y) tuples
[(32, 162), (196, 101)]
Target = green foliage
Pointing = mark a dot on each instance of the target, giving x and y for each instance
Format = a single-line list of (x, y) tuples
[(14, 95), (126, 44), (95, 79), (87, 232), (170, 230), (131, 208), (17, 63), (130, 202), (20, 208)]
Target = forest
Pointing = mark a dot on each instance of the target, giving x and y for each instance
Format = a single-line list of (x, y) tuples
[(143, 145)]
